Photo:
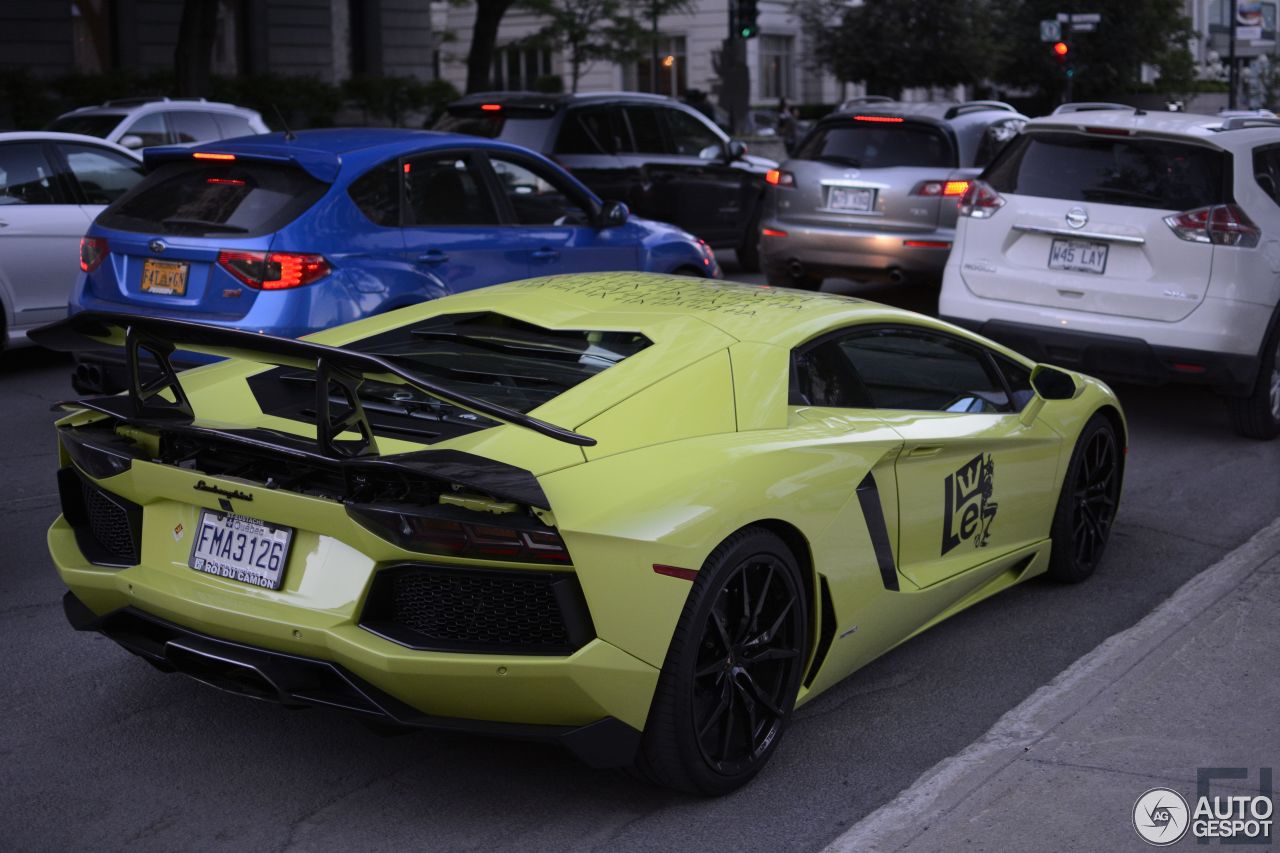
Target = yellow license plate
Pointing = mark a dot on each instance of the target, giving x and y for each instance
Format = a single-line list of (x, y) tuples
[(168, 278)]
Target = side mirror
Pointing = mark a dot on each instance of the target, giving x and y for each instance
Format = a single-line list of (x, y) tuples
[(613, 214), (1052, 383), (131, 141), (736, 150)]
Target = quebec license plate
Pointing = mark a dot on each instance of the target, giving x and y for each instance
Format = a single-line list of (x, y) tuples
[(1078, 255), (168, 278), (240, 548), (851, 198)]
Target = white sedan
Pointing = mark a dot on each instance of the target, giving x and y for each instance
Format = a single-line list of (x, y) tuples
[(52, 185)]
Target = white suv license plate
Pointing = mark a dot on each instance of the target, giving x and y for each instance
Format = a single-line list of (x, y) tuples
[(240, 548), (1079, 256), (846, 198)]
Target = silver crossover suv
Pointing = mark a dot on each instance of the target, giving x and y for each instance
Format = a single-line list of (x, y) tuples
[(872, 190)]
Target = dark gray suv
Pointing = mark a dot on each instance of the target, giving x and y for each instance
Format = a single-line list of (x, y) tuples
[(666, 160), (872, 190)]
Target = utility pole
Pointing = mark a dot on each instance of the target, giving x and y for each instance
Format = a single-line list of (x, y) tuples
[(1233, 76)]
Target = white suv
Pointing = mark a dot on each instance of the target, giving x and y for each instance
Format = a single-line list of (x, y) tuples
[(143, 122), (1140, 246)]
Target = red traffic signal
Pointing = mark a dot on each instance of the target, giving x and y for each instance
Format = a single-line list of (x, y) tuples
[(1061, 49)]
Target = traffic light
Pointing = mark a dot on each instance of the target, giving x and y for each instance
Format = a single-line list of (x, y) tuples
[(746, 15), (1061, 50)]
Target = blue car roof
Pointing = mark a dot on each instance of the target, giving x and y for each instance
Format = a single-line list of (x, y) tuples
[(322, 153)]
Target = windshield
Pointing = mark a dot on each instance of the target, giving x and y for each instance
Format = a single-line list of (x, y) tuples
[(97, 124), (876, 145)]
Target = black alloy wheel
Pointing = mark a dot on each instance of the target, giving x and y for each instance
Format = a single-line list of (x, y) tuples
[(730, 680), (1088, 503)]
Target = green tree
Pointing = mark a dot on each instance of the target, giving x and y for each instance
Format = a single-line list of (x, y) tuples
[(1106, 62), (895, 44), (586, 31)]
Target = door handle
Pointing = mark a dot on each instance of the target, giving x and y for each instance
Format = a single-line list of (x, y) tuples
[(924, 451), (545, 254), (435, 256)]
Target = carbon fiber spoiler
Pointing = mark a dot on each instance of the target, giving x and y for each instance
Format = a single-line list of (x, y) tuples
[(337, 370)]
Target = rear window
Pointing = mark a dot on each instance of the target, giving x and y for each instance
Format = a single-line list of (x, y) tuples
[(203, 199), (488, 126), (875, 145), (1150, 173), (527, 126), (90, 125)]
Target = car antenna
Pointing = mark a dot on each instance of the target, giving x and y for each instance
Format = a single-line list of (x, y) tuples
[(289, 135)]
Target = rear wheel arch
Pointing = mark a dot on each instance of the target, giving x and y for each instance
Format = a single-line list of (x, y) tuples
[(686, 269), (1112, 414)]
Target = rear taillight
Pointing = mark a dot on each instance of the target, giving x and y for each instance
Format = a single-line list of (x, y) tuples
[(93, 250), (940, 188), (980, 201), (1220, 224), (457, 537), (273, 270), (779, 178)]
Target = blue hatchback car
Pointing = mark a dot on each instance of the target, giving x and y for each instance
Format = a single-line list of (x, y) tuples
[(292, 233)]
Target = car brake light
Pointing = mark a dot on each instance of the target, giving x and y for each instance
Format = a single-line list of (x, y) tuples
[(927, 244), (941, 188), (773, 232), (491, 108), (458, 537), (980, 201), (1110, 131), (1220, 224), (235, 182), (274, 270), (779, 178), (93, 250), (208, 155), (881, 119)]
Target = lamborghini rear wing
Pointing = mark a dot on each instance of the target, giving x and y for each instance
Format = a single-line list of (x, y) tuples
[(338, 372)]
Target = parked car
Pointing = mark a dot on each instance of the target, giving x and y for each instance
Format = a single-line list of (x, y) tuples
[(52, 185), (1138, 245), (871, 191), (292, 233), (666, 160), (142, 122), (646, 528)]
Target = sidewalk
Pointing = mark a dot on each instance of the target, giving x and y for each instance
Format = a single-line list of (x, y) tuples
[(1196, 684)]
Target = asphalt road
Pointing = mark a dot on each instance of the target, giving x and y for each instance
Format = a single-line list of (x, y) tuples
[(99, 751)]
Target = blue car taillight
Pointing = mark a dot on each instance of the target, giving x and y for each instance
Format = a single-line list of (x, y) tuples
[(273, 270), (93, 251)]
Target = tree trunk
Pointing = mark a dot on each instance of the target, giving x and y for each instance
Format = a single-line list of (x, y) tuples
[(194, 52), (483, 38)]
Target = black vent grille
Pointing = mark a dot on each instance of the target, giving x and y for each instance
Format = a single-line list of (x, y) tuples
[(483, 610), (108, 528)]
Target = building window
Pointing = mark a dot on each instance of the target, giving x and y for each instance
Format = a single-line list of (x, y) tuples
[(776, 64), (518, 68), (91, 35), (672, 77)]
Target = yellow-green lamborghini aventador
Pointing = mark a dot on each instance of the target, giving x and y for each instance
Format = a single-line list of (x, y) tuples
[(643, 515)]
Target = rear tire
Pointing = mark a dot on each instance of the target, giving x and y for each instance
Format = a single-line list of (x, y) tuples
[(1258, 415), (731, 675), (1088, 502)]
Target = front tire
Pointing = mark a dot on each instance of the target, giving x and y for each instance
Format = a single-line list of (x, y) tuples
[(1258, 415), (733, 670), (1088, 502)]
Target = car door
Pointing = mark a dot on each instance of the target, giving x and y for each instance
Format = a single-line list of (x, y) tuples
[(451, 231), (726, 189), (975, 479), (554, 222), (40, 229), (191, 126), (98, 174), (145, 131), (587, 144)]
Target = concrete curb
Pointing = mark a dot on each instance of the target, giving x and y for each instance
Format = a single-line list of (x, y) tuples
[(943, 789)]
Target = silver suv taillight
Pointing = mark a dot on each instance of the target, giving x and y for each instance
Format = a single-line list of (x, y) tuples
[(980, 201), (1220, 224)]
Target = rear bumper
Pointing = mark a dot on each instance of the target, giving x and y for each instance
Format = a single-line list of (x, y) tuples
[(297, 681), (1121, 358), (862, 254)]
